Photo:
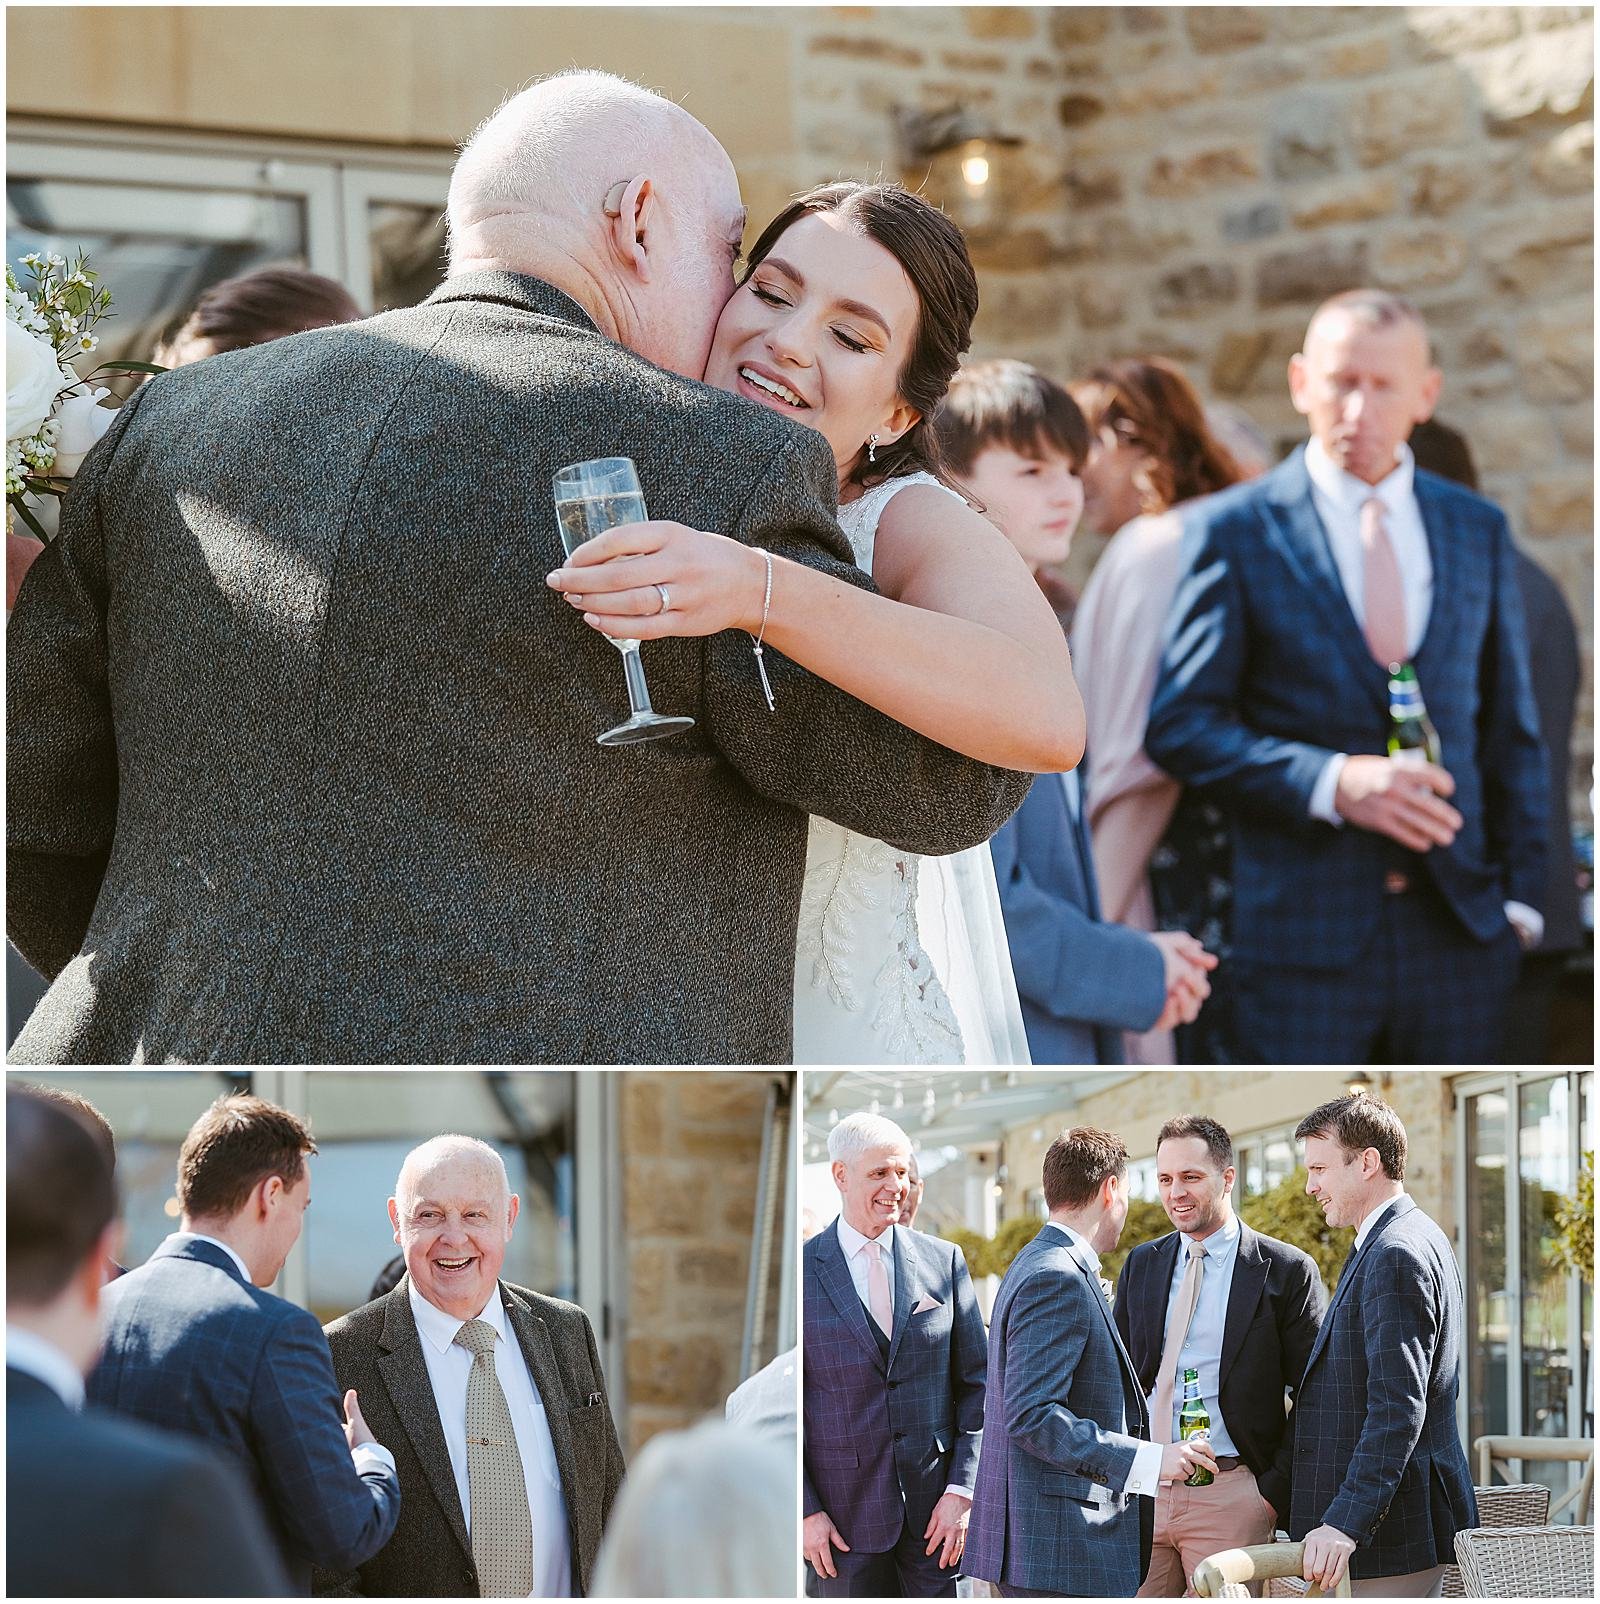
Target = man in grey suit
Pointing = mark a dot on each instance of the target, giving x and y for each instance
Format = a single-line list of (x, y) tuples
[(302, 748), (1067, 1483), (491, 1395)]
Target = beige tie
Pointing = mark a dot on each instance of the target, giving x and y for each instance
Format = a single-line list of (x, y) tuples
[(1177, 1330), (878, 1304), (502, 1525), (1383, 597)]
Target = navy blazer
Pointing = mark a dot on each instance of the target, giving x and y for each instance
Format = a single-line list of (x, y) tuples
[(1377, 1452), (1063, 1399), (1275, 1306), (192, 1347), (1265, 675), (103, 1508), (889, 1426), (1082, 982)]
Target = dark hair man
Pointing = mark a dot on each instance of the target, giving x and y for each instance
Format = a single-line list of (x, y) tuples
[(1380, 1482), (1240, 1308), (96, 1507), (195, 1343)]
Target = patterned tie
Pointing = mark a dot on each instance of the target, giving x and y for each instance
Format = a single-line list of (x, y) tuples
[(502, 1525), (878, 1289), (1383, 597), (1177, 1331)]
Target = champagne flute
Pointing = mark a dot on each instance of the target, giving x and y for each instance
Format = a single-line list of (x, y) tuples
[(592, 497)]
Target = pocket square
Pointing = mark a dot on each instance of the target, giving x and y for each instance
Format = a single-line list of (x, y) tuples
[(925, 1303)]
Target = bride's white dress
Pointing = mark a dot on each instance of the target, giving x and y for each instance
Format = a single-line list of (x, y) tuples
[(901, 959)]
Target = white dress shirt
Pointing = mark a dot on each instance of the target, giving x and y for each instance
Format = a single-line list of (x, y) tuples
[(1338, 497), (1145, 1477), (1364, 1230), (449, 1366), (45, 1362), (1202, 1346)]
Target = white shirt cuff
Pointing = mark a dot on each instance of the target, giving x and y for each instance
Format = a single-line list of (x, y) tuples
[(373, 1455), (1322, 793), (966, 1492), (1145, 1477), (1528, 920)]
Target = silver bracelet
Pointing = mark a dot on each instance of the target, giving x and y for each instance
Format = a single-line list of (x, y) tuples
[(766, 607)]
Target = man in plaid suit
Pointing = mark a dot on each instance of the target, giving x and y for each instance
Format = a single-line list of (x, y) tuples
[(194, 1344), (1066, 1490), (1379, 1482), (894, 1362), (1380, 904)]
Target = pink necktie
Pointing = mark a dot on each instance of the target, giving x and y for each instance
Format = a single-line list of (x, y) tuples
[(878, 1289), (1383, 597), (1182, 1314)]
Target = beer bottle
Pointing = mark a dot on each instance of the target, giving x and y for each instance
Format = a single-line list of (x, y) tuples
[(1412, 737), (1194, 1421)]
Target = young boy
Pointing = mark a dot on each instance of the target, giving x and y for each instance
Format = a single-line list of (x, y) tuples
[(1014, 441)]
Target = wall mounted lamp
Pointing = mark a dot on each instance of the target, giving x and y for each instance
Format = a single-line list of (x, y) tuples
[(957, 153)]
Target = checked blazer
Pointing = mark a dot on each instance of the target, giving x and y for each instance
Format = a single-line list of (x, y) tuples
[(301, 760), (1377, 1453), (1275, 1307), (191, 1347), (1265, 675), (887, 1432), (1063, 1414), (376, 1350)]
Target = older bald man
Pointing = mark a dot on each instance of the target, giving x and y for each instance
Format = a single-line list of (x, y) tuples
[(491, 1395), (293, 654)]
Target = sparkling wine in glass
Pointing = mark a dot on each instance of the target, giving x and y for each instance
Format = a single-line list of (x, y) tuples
[(592, 497)]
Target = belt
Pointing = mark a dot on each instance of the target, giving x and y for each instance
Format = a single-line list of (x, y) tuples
[(1228, 1462)]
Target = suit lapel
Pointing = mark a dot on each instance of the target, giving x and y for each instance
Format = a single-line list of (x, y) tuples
[(908, 1289), (1292, 517), (841, 1290), (1249, 1278), (533, 1337), (1444, 554), (405, 1376), (1346, 1281)]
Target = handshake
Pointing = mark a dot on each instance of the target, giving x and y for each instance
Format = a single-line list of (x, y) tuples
[(1187, 965)]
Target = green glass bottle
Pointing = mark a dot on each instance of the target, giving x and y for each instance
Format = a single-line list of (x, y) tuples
[(1412, 736), (1194, 1421)]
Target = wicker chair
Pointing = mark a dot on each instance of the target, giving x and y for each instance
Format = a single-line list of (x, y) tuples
[(1525, 1504), (1224, 1575), (1527, 1561)]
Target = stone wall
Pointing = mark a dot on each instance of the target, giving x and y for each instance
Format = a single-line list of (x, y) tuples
[(691, 1148)]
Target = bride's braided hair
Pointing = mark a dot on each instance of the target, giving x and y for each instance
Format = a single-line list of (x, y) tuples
[(933, 253)]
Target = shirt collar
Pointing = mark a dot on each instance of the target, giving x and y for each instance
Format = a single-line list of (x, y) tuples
[(1364, 1230), (1346, 491), (1082, 1244), (1220, 1243), (852, 1241), (45, 1362), (198, 1236), (439, 1328)]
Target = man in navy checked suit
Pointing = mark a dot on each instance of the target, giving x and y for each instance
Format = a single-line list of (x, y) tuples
[(893, 1385), (1380, 905), (1066, 1490), (1379, 1482), (194, 1344)]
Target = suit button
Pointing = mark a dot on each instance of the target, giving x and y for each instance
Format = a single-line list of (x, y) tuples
[(893, 1385), (899, 1436)]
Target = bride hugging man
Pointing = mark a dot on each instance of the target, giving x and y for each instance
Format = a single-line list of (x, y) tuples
[(301, 737)]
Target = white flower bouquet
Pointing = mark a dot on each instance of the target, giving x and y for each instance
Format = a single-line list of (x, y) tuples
[(53, 417)]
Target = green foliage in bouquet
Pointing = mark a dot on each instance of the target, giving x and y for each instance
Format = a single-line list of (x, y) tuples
[(1575, 1224), (1286, 1212)]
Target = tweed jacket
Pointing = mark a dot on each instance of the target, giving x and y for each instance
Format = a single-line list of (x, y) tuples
[(376, 1350), (1377, 1451), (302, 760), (98, 1507), (1275, 1307), (887, 1433), (1266, 675), (191, 1347), (1062, 1411)]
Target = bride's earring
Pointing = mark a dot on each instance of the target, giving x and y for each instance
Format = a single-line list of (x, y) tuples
[(872, 449)]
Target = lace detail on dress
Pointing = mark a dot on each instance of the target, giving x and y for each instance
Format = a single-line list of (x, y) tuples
[(838, 895), (913, 1015)]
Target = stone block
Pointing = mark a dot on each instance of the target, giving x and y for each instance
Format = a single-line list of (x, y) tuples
[(643, 1115), (1516, 438), (1543, 81), (1259, 221), (979, 62), (1200, 287), (1072, 27), (1164, 88), (1438, 188), (1311, 273), (1555, 358), (1319, 22), (708, 1097), (1547, 17), (649, 1277), (1559, 504), (1483, 347), (1219, 167), (1577, 431), (722, 1267), (1306, 138), (1237, 359), (1216, 28), (1001, 22), (1075, 110), (1016, 306), (1013, 249), (1564, 165), (1353, 58), (672, 1371), (1415, 259), (1089, 184), (1354, 200), (1095, 241), (1145, 19), (1100, 303), (661, 1198), (1262, 72), (865, 47), (1422, 110), (1552, 258), (1450, 31)]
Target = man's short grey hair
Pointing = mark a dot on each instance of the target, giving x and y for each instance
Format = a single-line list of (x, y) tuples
[(856, 1134), (436, 1145), (705, 1513), (1375, 309)]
